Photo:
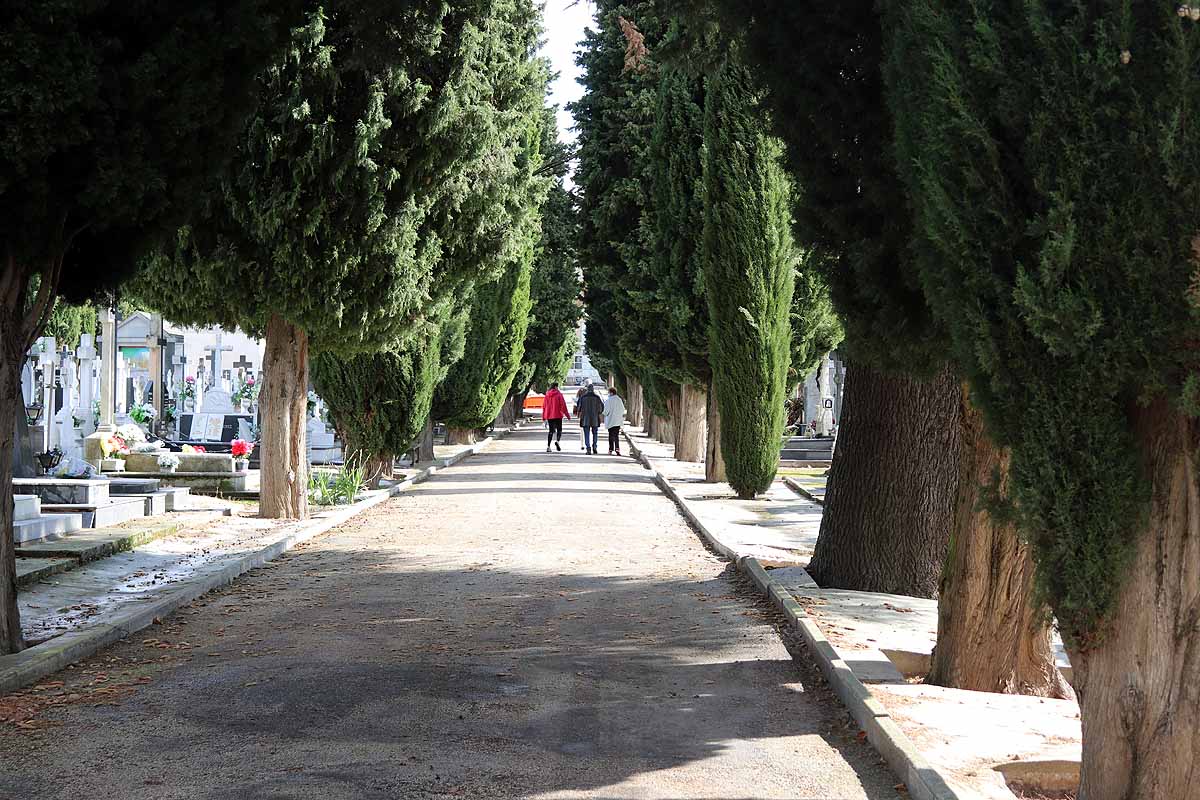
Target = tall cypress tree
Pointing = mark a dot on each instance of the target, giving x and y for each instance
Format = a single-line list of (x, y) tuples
[(1051, 157), (912, 459), (379, 402), (101, 155), (749, 263)]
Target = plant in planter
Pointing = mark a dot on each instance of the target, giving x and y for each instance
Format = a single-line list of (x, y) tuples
[(246, 394), (241, 450), (143, 414), (168, 462)]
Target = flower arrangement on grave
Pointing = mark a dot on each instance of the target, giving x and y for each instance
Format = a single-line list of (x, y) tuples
[(246, 393), (169, 412), (75, 468), (240, 448), (130, 434), (168, 462), (114, 446), (189, 387), (193, 448), (143, 414)]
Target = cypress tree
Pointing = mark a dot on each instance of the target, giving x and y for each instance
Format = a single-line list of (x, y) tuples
[(1051, 161), (379, 402), (912, 459), (749, 262), (101, 154), (471, 395)]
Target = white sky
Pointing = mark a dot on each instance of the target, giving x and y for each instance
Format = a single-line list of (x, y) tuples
[(565, 21)]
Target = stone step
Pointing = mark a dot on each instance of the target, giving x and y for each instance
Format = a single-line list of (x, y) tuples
[(114, 512), (90, 545), (27, 506), (127, 485), (46, 526), (32, 570), (164, 500), (81, 491), (179, 498)]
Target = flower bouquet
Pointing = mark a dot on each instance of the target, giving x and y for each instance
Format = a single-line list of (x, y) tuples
[(241, 450), (168, 462), (143, 415)]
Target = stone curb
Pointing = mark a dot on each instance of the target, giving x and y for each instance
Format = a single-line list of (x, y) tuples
[(22, 669), (800, 490), (922, 780)]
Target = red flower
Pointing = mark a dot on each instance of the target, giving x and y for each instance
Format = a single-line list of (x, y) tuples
[(240, 448)]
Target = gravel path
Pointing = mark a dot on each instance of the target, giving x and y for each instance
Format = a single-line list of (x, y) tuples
[(523, 625)]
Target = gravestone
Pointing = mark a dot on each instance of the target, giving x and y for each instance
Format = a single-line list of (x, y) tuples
[(217, 401)]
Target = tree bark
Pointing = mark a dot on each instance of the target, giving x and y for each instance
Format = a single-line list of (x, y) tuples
[(889, 505), (11, 638), (714, 461), (284, 403), (1139, 698), (690, 424), (993, 636), (669, 422), (634, 390), (424, 449), (461, 435), (379, 467)]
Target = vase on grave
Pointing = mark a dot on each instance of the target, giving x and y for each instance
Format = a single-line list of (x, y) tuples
[(241, 465)]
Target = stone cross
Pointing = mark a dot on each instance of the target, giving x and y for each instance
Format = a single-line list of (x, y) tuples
[(86, 353), (214, 356), (47, 357), (242, 364)]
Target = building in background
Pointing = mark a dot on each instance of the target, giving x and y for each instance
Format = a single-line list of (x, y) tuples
[(582, 370)]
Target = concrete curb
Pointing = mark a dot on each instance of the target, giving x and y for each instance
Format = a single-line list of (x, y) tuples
[(22, 669), (800, 490), (922, 780)]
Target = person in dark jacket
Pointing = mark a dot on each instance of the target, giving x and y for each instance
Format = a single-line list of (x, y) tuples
[(591, 414)]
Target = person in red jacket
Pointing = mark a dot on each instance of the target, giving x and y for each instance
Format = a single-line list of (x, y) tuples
[(554, 408)]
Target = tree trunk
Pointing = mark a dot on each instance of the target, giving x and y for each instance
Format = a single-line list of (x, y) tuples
[(284, 403), (424, 449), (993, 636), (634, 390), (889, 505), (1138, 693), (669, 422), (714, 461), (690, 424), (505, 417), (461, 435), (379, 467), (11, 640)]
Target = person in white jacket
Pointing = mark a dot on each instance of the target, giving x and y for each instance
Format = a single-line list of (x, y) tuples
[(614, 418)]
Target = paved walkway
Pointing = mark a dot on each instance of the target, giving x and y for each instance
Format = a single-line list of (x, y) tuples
[(523, 625)]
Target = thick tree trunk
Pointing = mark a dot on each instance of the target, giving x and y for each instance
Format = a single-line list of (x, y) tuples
[(714, 461), (461, 435), (424, 449), (889, 506), (634, 409), (993, 636), (11, 640), (1139, 696), (283, 403), (670, 421), (505, 417), (690, 424)]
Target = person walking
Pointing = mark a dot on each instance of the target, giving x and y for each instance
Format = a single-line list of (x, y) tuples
[(591, 414), (554, 408), (614, 418), (579, 396)]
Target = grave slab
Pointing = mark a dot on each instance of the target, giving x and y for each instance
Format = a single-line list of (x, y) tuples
[(113, 512), (93, 544), (32, 570), (46, 526), (26, 506), (83, 491)]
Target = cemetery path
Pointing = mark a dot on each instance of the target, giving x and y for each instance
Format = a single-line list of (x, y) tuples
[(523, 625)]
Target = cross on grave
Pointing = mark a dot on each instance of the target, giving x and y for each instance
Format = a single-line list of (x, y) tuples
[(242, 363), (214, 356)]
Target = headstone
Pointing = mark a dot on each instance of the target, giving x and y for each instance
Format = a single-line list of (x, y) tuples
[(46, 357), (86, 353), (69, 438), (214, 357), (217, 401)]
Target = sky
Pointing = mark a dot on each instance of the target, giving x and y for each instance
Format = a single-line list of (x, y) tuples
[(565, 21)]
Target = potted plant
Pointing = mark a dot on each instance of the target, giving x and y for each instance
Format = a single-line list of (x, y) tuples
[(168, 462), (241, 450), (143, 415)]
